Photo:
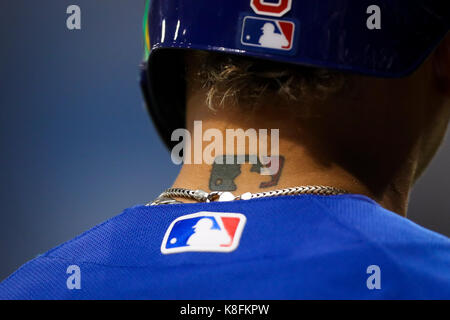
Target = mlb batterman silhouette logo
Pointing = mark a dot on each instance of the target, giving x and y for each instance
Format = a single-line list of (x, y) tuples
[(204, 232), (268, 33)]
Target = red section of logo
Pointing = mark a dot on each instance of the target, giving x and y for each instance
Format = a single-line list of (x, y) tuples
[(230, 225), (278, 9), (288, 30)]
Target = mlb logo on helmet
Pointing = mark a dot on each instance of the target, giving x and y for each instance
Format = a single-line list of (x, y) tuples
[(204, 232), (269, 33)]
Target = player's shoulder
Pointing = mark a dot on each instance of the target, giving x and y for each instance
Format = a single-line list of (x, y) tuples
[(379, 224), (125, 240)]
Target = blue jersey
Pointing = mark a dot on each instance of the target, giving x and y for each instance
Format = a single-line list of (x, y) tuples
[(294, 247)]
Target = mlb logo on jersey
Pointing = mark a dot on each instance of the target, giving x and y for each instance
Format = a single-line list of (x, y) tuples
[(204, 232), (268, 33)]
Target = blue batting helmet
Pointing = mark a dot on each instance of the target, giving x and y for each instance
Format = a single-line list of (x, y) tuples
[(381, 38)]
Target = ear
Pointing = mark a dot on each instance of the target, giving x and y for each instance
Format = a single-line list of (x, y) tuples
[(441, 65)]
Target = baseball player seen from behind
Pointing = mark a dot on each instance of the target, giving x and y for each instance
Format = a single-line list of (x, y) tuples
[(360, 114)]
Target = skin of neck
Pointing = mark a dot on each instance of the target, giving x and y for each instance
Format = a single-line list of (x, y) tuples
[(375, 138)]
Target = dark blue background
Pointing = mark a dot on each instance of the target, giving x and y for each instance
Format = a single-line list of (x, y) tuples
[(76, 145)]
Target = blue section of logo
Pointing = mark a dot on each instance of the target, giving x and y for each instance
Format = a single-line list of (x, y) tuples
[(184, 229)]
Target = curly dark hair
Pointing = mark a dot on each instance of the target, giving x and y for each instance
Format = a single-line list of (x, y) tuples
[(242, 80)]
